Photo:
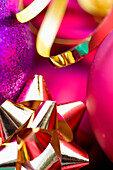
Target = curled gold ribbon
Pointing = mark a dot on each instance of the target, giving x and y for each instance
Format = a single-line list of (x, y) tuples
[(97, 8), (32, 10), (49, 29), (50, 26)]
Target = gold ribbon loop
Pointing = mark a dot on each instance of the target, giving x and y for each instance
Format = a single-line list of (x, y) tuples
[(50, 26), (32, 10)]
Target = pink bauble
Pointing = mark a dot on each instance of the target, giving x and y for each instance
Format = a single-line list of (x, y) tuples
[(100, 96)]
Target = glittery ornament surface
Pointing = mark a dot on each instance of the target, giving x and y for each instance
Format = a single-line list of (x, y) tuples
[(3, 9), (16, 55), (7, 7)]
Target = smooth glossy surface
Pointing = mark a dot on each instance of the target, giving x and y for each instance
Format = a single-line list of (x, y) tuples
[(100, 95)]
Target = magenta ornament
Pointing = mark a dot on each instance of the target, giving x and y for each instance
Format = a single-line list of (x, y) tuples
[(100, 96), (16, 52)]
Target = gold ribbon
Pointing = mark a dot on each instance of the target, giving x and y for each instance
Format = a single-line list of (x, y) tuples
[(49, 29), (29, 129), (97, 8), (42, 119), (50, 26), (32, 10)]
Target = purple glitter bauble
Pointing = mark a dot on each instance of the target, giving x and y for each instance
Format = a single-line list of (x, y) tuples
[(7, 7), (16, 56)]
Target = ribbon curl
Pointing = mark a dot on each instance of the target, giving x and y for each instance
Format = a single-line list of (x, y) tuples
[(50, 26), (32, 10)]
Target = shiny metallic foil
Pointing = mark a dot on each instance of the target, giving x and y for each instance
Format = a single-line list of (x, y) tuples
[(39, 137)]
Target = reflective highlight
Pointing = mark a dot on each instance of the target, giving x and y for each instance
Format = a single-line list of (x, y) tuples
[(41, 138), (35, 89)]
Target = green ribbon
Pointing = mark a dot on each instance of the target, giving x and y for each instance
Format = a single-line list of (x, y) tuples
[(82, 49)]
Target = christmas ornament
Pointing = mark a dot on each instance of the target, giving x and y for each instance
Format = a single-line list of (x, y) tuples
[(42, 140), (7, 7), (99, 95), (16, 56)]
